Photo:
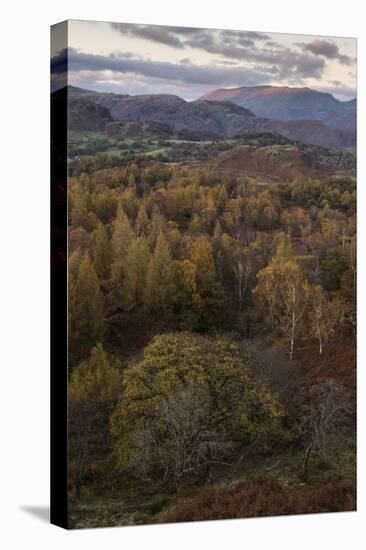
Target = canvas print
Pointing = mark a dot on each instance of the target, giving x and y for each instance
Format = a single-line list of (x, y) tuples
[(210, 233)]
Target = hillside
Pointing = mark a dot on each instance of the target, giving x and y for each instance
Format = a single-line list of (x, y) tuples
[(217, 117), (87, 115), (313, 132), (284, 162), (214, 117), (284, 103)]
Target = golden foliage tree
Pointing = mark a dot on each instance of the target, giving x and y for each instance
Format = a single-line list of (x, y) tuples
[(102, 253), (208, 299), (137, 262), (86, 304), (122, 234), (142, 221), (122, 237), (159, 279), (96, 379)]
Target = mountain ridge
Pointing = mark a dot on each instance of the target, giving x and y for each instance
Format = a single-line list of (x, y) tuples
[(287, 103), (224, 118)]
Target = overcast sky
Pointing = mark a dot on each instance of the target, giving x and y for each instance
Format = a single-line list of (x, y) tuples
[(188, 62)]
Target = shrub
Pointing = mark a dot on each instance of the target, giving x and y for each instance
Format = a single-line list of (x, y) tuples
[(264, 497)]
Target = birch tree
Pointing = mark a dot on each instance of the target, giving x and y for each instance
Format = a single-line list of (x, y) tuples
[(325, 314), (242, 268), (283, 292)]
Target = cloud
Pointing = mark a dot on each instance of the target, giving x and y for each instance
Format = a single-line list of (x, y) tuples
[(276, 59), (264, 68), (327, 49), (136, 85), (212, 75), (59, 74), (230, 44), (302, 60), (249, 47), (338, 90), (180, 37), (154, 33), (59, 62)]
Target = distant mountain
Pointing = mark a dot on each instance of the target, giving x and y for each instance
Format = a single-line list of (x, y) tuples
[(284, 103), (87, 115), (313, 132), (220, 118)]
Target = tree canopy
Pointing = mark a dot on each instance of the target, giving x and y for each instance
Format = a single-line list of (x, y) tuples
[(204, 379)]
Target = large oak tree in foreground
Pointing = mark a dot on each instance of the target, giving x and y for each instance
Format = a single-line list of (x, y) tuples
[(186, 404)]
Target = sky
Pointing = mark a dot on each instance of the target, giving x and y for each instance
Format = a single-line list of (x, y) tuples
[(188, 62)]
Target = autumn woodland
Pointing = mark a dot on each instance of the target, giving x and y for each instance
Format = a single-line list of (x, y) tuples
[(212, 335)]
